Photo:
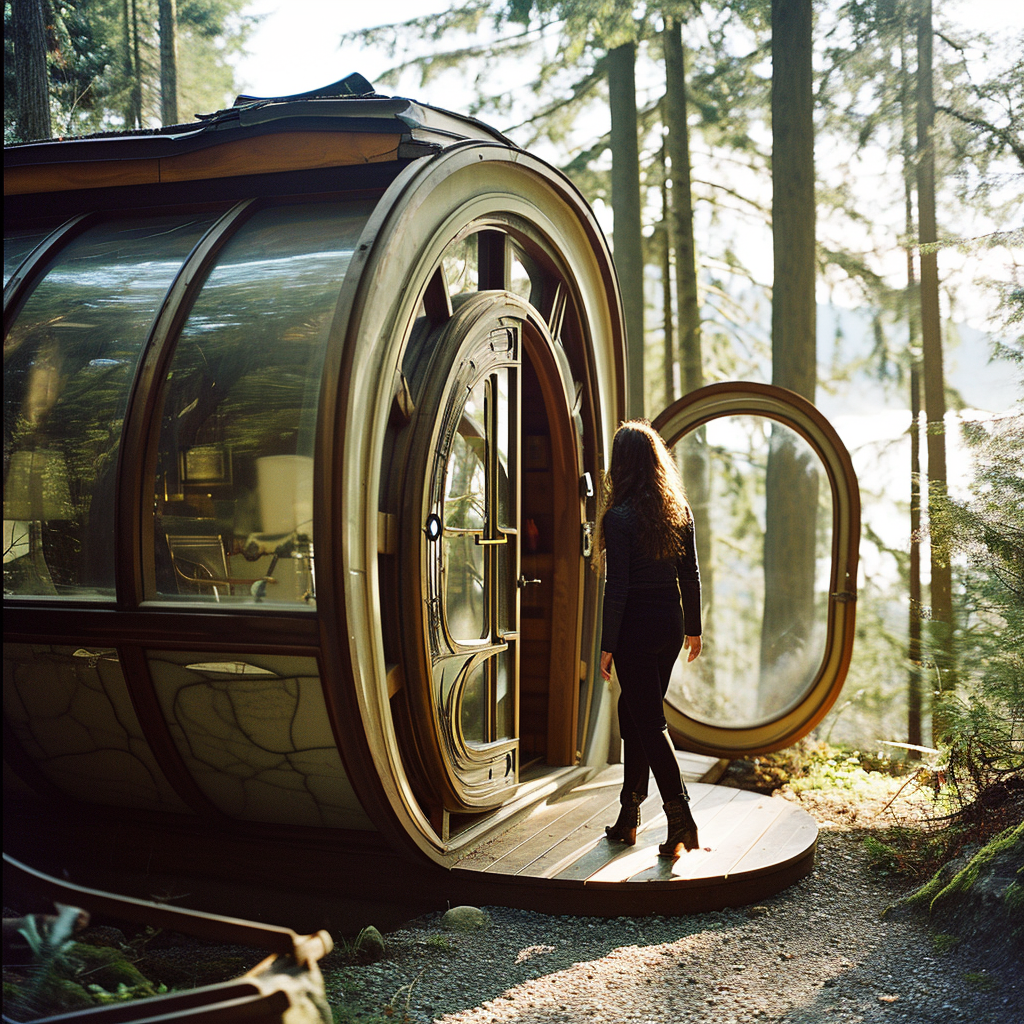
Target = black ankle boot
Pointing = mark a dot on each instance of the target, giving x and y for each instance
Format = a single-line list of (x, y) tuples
[(626, 824), (682, 829)]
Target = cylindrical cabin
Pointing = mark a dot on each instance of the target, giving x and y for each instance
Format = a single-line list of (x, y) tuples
[(305, 409)]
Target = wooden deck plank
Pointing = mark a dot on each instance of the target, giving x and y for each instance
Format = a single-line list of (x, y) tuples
[(751, 846), (789, 838), (596, 806), (543, 817), (707, 804), (579, 855), (607, 860), (585, 833), (697, 767), (723, 841), (553, 821)]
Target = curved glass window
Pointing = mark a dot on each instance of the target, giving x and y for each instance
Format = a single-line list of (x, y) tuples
[(768, 517), (234, 483), (254, 733), (69, 363), (17, 245)]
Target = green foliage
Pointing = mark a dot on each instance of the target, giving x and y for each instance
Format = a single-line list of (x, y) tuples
[(906, 852), (92, 66), (981, 981), (941, 888), (67, 975), (943, 943), (984, 716), (808, 765)]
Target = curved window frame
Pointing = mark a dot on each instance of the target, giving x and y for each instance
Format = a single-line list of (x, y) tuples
[(739, 398)]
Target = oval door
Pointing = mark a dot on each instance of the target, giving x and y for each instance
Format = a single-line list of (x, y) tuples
[(469, 512), (777, 512)]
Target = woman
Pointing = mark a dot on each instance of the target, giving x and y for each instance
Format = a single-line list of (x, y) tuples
[(645, 541)]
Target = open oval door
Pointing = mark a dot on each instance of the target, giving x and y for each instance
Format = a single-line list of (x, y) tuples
[(777, 511)]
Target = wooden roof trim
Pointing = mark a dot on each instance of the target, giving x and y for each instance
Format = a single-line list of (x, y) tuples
[(266, 154)]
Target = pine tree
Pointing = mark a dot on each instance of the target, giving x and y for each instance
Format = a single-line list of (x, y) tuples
[(791, 483)]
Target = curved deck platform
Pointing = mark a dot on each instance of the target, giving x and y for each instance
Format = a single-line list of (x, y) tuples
[(557, 859)]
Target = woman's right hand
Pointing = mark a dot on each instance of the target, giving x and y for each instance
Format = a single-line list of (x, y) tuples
[(694, 645), (606, 664)]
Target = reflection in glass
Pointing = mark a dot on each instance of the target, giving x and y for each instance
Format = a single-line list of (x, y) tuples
[(503, 411), (234, 484), (473, 705), (757, 661), (254, 733), (503, 696), (520, 283), (460, 266), (70, 710), (17, 245), (465, 511), (69, 363), (464, 590)]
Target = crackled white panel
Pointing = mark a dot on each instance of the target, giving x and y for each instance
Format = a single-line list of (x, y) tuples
[(71, 712), (253, 732)]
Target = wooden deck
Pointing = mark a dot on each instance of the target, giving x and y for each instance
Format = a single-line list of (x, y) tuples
[(557, 858)]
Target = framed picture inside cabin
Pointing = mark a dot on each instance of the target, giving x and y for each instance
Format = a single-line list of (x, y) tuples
[(206, 464)]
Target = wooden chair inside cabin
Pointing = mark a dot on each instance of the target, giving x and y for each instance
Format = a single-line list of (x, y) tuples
[(201, 566)]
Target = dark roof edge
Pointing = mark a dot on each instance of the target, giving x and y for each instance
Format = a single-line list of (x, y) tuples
[(253, 117)]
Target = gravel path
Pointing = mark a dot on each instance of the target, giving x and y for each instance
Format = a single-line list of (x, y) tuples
[(817, 952)]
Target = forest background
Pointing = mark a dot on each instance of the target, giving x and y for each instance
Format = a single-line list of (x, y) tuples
[(839, 213)]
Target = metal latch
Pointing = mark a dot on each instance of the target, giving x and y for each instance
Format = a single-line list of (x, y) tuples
[(587, 540)]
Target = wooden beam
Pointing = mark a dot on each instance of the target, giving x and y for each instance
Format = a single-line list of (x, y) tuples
[(267, 154)]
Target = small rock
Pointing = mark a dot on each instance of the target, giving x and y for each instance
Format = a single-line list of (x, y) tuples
[(370, 943), (465, 919)]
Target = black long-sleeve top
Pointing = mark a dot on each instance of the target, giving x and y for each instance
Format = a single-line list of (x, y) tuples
[(628, 570)]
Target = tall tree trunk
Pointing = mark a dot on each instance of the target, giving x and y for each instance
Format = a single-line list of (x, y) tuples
[(941, 590), (696, 463), (791, 487), (682, 209), (127, 64), (627, 235), (168, 62), (668, 327), (137, 57), (30, 68), (914, 688)]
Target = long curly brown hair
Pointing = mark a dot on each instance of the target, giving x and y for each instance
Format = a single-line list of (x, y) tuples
[(644, 476)]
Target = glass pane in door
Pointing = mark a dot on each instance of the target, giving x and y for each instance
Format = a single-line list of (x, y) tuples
[(504, 695), (465, 517), (473, 705)]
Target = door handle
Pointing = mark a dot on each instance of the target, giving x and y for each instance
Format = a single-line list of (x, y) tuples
[(523, 583)]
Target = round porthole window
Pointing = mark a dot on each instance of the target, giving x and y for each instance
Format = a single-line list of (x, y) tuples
[(777, 511)]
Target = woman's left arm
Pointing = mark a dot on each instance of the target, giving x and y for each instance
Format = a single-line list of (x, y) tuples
[(689, 588)]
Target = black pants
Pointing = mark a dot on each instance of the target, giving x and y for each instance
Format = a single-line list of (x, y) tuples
[(650, 639)]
